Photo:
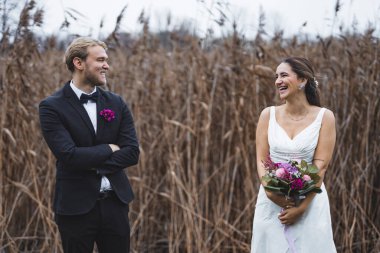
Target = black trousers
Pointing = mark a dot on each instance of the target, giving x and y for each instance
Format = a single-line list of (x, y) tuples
[(107, 225)]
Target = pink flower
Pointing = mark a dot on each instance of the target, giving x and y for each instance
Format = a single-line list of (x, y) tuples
[(306, 178), (107, 114), (281, 173)]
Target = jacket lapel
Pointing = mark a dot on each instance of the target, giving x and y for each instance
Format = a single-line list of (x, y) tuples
[(100, 105), (74, 101)]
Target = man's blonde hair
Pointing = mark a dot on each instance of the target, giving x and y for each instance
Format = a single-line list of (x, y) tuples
[(78, 48)]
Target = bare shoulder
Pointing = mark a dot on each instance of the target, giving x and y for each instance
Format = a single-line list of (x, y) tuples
[(263, 121), (265, 114)]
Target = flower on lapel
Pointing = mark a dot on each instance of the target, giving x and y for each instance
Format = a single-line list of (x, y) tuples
[(107, 114)]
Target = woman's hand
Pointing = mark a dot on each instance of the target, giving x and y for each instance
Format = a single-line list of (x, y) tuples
[(281, 200), (290, 215)]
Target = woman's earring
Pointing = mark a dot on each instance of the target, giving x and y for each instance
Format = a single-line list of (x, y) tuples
[(301, 86)]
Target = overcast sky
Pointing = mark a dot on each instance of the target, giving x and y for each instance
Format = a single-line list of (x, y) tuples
[(289, 15)]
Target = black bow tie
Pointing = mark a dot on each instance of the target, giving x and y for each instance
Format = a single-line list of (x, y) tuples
[(84, 98)]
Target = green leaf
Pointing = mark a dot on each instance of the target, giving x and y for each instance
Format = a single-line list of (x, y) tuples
[(315, 177), (309, 183), (312, 188), (303, 164), (274, 181), (312, 169), (266, 178), (283, 183), (274, 188)]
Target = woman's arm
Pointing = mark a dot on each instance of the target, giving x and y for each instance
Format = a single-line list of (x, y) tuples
[(262, 145), (326, 143), (322, 157)]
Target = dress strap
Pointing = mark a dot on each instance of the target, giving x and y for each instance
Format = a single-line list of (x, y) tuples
[(320, 115), (272, 113)]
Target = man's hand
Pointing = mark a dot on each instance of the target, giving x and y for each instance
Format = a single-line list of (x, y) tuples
[(114, 147)]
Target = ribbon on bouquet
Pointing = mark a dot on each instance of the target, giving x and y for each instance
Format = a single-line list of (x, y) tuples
[(290, 239), (288, 236)]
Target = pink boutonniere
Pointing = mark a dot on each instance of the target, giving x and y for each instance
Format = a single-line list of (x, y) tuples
[(107, 114)]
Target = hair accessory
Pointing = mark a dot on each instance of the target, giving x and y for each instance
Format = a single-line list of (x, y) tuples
[(316, 82)]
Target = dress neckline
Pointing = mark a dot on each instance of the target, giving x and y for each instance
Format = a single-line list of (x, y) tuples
[(300, 132)]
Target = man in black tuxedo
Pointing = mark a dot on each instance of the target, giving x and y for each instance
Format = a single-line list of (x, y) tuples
[(92, 135)]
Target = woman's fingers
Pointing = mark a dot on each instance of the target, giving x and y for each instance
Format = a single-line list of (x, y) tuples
[(285, 218), (282, 214)]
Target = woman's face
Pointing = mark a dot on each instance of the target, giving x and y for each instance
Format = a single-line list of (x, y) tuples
[(287, 81)]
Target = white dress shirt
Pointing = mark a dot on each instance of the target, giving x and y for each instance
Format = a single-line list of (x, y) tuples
[(90, 107)]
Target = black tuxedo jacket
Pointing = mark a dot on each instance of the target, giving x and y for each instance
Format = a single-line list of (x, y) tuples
[(83, 156)]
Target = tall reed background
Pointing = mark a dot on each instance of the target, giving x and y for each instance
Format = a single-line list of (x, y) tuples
[(195, 104)]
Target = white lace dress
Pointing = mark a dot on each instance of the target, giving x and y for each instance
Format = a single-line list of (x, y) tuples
[(312, 233)]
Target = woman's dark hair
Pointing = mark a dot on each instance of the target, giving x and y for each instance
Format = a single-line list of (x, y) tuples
[(303, 68)]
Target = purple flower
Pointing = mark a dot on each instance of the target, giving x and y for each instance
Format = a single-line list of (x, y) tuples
[(107, 114), (289, 168)]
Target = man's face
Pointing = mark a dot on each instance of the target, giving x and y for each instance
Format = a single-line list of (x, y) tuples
[(96, 66)]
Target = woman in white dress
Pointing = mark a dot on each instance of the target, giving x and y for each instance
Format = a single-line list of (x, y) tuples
[(298, 129)]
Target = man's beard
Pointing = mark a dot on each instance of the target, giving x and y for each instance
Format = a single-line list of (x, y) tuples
[(94, 80)]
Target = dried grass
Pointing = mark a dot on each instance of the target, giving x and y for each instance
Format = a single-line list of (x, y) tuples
[(195, 111)]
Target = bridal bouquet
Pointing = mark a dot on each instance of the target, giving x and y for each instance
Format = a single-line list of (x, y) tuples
[(293, 179)]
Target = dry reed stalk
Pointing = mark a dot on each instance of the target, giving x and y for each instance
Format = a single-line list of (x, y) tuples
[(195, 111)]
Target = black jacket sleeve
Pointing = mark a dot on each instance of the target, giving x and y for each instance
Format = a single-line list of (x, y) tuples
[(62, 145), (128, 155)]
